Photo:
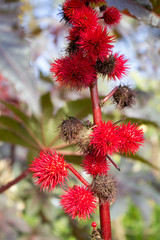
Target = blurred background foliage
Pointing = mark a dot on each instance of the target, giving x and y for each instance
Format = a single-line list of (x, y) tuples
[(32, 106)]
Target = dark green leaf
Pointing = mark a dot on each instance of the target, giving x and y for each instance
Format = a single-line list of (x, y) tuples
[(14, 138), (79, 108), (73, 159), (16, 111), (15, 126)]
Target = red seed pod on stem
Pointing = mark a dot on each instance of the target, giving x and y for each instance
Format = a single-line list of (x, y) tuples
[(49, 170), (79, 202)]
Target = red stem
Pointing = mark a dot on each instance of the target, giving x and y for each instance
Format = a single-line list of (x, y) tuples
[(74, 171), (108, 96), (97, 116), (16, 180), (110, 159), (104, 208), (105, 221)]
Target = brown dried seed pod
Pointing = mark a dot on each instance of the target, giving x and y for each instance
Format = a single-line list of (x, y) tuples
[(107, 66), (70, 128), (83, 139), (102, 8), (96, 234), (124, 97), (105, 188)]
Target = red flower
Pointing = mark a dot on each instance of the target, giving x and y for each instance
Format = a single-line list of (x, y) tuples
[(95, 165), (105, 138), (49, 169), (111, 16), (84, 18), (75, 71), (79, 202), (96, 43), (131, 138), (120, 68), (69, 7)]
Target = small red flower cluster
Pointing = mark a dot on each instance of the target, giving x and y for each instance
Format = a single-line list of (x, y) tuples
[(90, 46)]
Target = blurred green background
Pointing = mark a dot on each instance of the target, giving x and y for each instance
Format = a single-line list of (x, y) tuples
[(32, 107)]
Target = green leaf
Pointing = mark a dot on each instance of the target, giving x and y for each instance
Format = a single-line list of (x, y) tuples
[(32, 153), (47, 106), (15, 126), (79, 108), (50, 131), (73, 159), (156, 7), (14, 138), (139, 121), (16, 111), (142, 121), (31, 123)]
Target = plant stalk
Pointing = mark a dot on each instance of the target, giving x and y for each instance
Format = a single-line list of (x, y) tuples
[(24, 174), (78, 175), (104, 209), (105, 221)]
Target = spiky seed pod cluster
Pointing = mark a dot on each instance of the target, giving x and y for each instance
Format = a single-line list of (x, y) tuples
[(124, 96), (90, 46), (105, 188), (96, 234)]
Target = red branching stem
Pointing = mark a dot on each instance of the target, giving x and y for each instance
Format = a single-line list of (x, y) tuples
[(16, 180), (104, 208), (97, 116), (77, 174), (110, 159), (108, 97), (105, 221)]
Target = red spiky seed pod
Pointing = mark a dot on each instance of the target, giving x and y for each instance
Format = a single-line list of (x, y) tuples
[(111, 16), (84, 18), (95, 165), (49, 170), (105, 188), (131, 138), (105, 138), (96, 43), (69, 7), (124, 97), (75, 71), (79, 202)]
